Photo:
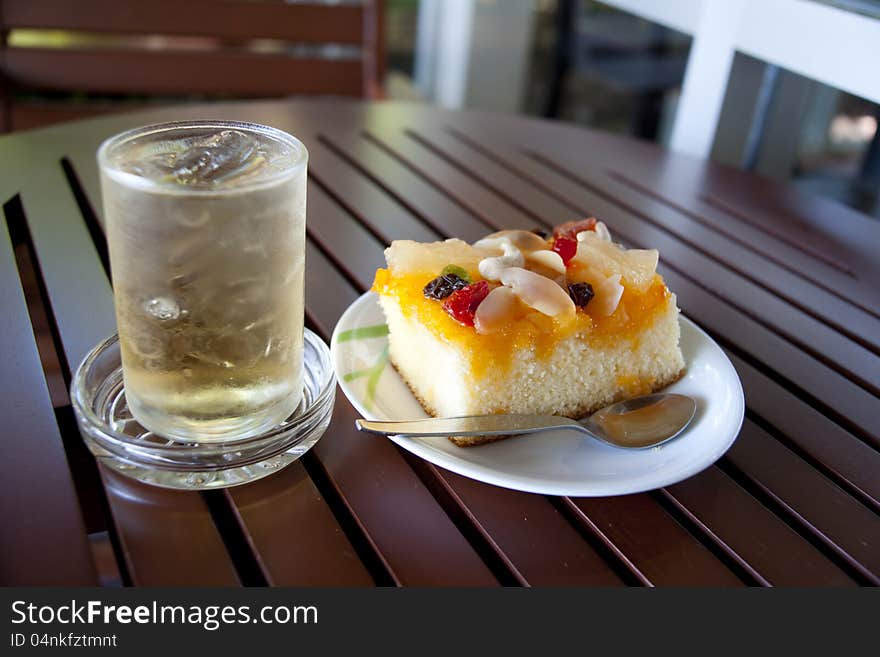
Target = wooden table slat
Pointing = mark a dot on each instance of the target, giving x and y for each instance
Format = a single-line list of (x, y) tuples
[(775, 554), (658, 549), (825, 388), (533, 538), (410, 531), (295, 537), (167, 537), (837, 450), (543, 209), (376, 211), (421, 198), (69, 264), (83, 166), (848, 237), (331, 227), (832, 516), (43, 542), (819, 268), (490, 208), (323, 309)]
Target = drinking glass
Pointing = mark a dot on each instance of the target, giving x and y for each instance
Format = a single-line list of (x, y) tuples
[(205, 223)]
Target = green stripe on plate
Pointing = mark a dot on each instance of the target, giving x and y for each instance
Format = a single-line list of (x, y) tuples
[(377, 331), (373, 381), (353, 376)]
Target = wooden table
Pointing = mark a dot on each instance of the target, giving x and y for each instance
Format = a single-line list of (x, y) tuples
[(786, 283)]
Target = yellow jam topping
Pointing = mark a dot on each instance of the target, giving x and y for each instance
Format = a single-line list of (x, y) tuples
[(636, 312)]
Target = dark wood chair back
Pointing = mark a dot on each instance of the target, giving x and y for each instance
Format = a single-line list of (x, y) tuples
[(205, 48)]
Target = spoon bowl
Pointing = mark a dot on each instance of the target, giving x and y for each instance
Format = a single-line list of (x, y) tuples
[(638, 423)]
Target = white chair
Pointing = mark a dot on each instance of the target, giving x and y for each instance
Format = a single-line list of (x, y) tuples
[(827, 43)]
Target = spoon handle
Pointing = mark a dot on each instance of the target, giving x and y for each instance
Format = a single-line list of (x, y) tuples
[(472, 425)]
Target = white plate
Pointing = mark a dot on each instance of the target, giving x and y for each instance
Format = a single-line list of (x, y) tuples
[(554, 463)]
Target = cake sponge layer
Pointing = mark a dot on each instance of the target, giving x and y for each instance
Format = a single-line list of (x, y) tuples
[(575, 378)]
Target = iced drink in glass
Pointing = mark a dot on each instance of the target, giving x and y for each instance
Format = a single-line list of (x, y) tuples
[(206, 229)]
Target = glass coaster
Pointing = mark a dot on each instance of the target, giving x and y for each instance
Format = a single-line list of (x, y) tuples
[(119, 442)]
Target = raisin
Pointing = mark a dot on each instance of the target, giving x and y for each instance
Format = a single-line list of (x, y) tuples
[(462, 304), (442, 286), (580, 293)]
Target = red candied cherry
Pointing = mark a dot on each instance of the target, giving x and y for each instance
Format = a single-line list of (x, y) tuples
[(566, 247), (570, 229), (462, 304)]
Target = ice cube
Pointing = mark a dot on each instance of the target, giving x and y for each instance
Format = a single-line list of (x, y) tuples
[(217, 157), (205, 159)]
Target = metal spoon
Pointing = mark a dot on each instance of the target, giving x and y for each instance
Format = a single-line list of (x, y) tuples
[(633, 424)]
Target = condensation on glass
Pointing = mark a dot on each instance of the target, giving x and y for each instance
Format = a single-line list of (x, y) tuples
[(206, 229)]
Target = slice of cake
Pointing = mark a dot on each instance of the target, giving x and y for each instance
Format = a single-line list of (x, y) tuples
[(524, 322)]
